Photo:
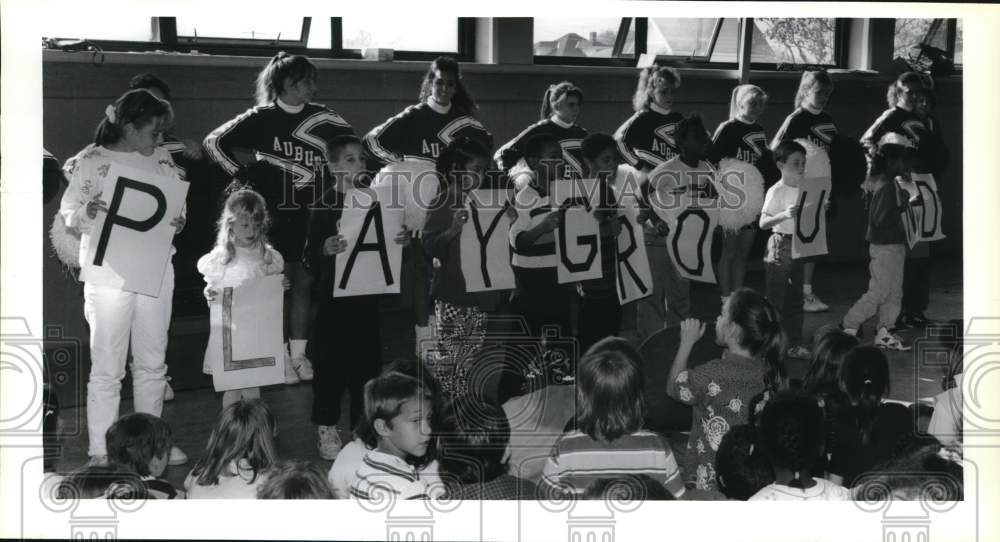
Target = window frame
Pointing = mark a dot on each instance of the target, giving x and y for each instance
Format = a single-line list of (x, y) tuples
[(466, 44), (640, 48), (705, 62), (841, 39)]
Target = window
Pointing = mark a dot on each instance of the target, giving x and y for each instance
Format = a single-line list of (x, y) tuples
[(958, 42), (96, 27), (270, 29), (434, 34), (694, 40), (912, 34), (795, 41), (605, 40)]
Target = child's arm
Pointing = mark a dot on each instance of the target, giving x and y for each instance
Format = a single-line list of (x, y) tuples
[(691, 330), (237, 133), (81, 201), (444, 223), (384, 142), (526, 238), (672, 481), (768, 221)]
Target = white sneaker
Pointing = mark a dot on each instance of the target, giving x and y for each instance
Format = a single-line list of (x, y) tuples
[(98, 461), (168, 392), (811, 303), (890, 341), (177, 457), (328, 441), (303, 368), (291, 377)]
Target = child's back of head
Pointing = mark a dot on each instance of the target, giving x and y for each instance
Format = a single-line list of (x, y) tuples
[(243, 437), (473, 443), (750, 321), (102, 482), (830, 348), (136, 440), (927, 473), (793, 435), (740, 466), (294, 480), (610, 383), (865, 379)]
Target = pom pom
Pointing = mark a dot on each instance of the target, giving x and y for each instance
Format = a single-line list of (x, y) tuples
[(521, 175), (849, 165), (415, 184), (817, 161), (741, 193), (65, 242)]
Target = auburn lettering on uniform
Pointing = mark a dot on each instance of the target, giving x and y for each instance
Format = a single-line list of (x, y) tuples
[(420, 132), (569, 137), (818, 129), (646, 139)]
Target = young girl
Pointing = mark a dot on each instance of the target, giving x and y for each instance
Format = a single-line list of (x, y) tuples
[(899, 118), (647, 138), (287, 135), (792, 436), (240, 448), (241, 253), (560, 110), (348, 340), (721, 390), (741, 137), (609, 440), (810, 122), (130, 134), (600, 312), (868, 431), (460, 315), (891, 167)]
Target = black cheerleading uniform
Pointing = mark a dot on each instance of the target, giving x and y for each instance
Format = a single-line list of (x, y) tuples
[(895, 119), (422, 131), (817, 128), (570, 139), (646, 139), (747, 142), (289, 148)]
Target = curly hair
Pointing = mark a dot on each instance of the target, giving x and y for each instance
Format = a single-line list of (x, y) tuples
[(793, 434), (647, 83)]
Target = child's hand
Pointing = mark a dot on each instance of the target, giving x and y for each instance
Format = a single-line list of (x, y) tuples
[(459, 219), (868, 186), (178, 222), (436, 263), (792, 211), (551, 221), (286, 283), (335, 244), (94, 206), (691, 330), (403, 237), (210, 293)]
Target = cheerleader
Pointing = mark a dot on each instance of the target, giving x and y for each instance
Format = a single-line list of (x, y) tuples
[(646, 139), (131, 134), (809, 121), (287, 134), (445, 113), (560, 110)]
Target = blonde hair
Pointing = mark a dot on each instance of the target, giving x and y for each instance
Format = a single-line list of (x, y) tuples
[(809, 81), (741, 93), (647, 81), (555, 94), (241, 203)]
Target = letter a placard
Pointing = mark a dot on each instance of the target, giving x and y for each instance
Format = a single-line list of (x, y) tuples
[(578, 246), (245, 347), (484, 242), (810, 226), (371, 264), (129, 246)]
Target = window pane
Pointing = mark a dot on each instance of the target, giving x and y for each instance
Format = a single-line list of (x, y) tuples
[(246, 28), (691, 37), (793, 41), (96, 27), (319, 33), (582, 38), (909, 33), (729, 41), (958, 43), (435, 34)]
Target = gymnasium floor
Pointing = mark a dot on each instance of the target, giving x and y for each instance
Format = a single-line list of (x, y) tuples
[(536, 418)]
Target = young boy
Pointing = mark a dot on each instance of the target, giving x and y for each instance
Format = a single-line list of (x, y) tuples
[(397, 425), (140, 443), (295, 480), (348, 351), (783, 275)]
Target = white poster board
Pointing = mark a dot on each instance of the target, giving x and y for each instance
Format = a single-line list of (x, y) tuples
[(634, 280), (689, 241), (372, 261), (929, 209), (130, 243), (810, 226), (485, 246), (245, 345), (578, 246)]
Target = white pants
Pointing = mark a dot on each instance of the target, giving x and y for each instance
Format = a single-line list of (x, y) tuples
[(114, 316)]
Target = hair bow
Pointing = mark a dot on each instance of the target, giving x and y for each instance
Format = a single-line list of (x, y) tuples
[(109, 112)]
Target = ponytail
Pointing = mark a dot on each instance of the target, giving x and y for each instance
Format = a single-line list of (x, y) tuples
[(760, 334), (281, 68), (555, 93), (793, 435), (741, 93), (865, 377), (137, 107)]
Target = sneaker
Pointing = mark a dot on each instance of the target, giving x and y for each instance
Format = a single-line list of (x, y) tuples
[(98, 461), (890, 341), (918, 320), (799, 352), (811, 303), (328, 441), (303, 368), (168, 392), (177, 457), (291, 377)]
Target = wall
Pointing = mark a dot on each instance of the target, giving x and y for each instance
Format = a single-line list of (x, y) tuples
[(209, 91)]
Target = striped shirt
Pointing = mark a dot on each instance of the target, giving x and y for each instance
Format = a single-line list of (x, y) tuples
[(382, 472), (578, 460), (532, 208)]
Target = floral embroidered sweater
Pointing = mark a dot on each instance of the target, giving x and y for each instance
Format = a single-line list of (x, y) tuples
[(720, 393)]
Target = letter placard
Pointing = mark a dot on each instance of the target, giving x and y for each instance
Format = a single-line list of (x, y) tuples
[(371, 263), (484, 243), (129, 246), (810, 226), (929, 209), (634, 280), (689, 241), (245, 347), (578, 246)]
